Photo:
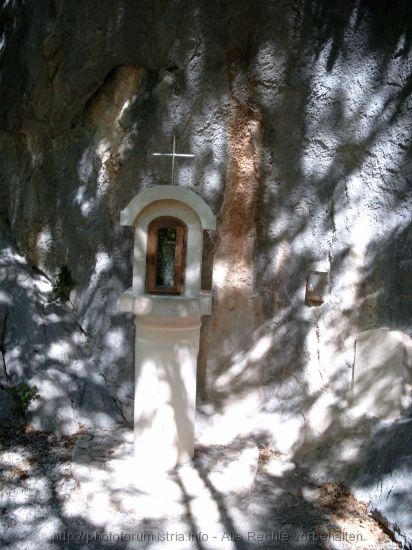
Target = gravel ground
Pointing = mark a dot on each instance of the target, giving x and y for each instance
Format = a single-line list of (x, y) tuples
[(42, 506)]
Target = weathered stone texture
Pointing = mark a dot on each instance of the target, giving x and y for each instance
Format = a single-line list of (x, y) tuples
[(299, 114)]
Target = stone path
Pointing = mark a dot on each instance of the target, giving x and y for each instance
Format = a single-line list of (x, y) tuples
[(219, 477), (83, 492)]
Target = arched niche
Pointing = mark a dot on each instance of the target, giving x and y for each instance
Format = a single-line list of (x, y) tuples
[(194, 214)]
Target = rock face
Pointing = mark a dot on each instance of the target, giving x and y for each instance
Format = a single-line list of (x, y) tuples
[(299, 116), (43, 344)]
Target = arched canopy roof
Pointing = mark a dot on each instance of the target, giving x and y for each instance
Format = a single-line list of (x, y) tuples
[(168, 192)]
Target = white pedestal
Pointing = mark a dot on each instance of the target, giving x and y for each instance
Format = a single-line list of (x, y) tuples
[(166, 349), (165, 391)]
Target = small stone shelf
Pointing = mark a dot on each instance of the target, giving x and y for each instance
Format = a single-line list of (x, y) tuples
[(166, 306)]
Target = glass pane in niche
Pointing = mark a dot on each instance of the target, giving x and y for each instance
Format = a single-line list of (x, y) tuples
[(166, 251)]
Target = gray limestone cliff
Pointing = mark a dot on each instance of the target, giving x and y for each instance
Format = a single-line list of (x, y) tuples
[(299, 116)]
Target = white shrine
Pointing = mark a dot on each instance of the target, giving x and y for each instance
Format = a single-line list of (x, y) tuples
[(167, 302)]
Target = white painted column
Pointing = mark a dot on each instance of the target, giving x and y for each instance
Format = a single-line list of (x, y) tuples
[(166, 352)]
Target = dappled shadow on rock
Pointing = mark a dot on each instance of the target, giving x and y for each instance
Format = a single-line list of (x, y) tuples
[(311, 514), (41, 503)]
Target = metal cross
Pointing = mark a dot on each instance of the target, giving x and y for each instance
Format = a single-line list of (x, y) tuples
[(173, 154)]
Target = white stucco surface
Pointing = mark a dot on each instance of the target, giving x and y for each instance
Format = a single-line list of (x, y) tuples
[(167, 333), (165, 392), (381, 375), (149, 196)]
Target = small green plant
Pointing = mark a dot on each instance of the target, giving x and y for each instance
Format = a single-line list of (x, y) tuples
[(62, 286), (23, 395)]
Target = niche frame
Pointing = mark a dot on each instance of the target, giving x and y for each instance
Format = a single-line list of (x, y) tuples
[(189, 208), (152, 255)]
